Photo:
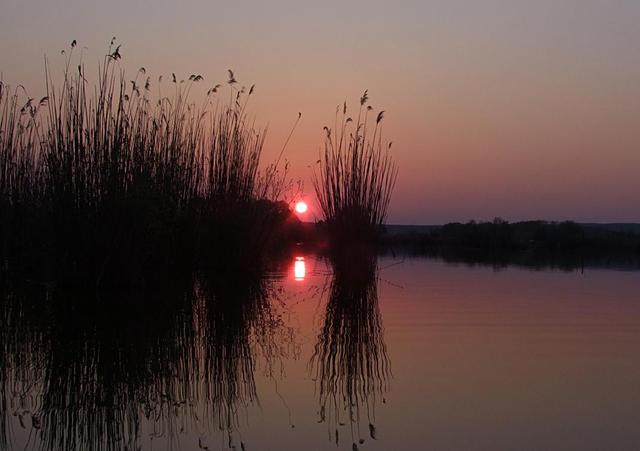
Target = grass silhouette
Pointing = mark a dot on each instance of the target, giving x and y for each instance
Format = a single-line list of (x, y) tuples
[(109, 184), (355, 176)]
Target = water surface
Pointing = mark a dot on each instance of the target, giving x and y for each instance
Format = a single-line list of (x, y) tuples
[(416, 354)]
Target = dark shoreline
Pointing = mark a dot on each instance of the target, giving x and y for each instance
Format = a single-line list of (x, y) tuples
[(531, 244)]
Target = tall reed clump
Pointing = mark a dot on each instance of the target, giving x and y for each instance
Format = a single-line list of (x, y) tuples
[(120, 172), (233, 151), (119, 182), (355, 176), (20, 135), (241, 211)]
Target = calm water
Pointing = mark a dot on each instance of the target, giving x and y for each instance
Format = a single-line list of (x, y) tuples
[(418, 355)]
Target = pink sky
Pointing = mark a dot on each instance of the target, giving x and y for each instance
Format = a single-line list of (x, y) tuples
[(516, 109)]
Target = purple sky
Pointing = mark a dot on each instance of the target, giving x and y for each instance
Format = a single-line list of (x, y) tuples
[(518, 109)]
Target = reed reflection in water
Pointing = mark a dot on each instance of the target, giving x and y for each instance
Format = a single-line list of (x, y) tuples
[(350, 362), (125, 372), (238, 319)]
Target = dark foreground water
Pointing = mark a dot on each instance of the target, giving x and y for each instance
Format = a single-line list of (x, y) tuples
[(416, 355)]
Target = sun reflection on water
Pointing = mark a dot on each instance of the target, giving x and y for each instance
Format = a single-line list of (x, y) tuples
[(299, 269)]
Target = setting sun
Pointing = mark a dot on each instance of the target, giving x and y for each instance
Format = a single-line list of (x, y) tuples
[(301, 207)]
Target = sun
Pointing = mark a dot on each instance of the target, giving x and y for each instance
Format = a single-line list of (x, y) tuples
[(301, 207)]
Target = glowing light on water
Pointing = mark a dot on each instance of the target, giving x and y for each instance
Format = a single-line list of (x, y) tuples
[(299, 269)]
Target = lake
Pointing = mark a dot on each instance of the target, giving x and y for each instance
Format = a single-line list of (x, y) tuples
[(405, 354)]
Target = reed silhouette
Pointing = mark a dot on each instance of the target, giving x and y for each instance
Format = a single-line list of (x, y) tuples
[(112, 184), (19, 177), (350, 362), (355, 176), (23, 348), (97, 370), (239, 324)]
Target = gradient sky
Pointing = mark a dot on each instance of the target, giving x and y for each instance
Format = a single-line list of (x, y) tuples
[(519, 109)]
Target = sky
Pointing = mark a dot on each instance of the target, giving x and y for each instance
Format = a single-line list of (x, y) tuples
[(513, 109)]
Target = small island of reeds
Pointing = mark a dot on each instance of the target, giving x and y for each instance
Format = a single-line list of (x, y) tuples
[(354, 179)]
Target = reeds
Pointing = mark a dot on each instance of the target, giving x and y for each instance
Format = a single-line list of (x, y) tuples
[(355, 175), (20, 185), (19, 139), (233, 151), (120, 170), (120, 183)]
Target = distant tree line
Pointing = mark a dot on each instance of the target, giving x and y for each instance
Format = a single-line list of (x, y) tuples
[(530, 243)]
